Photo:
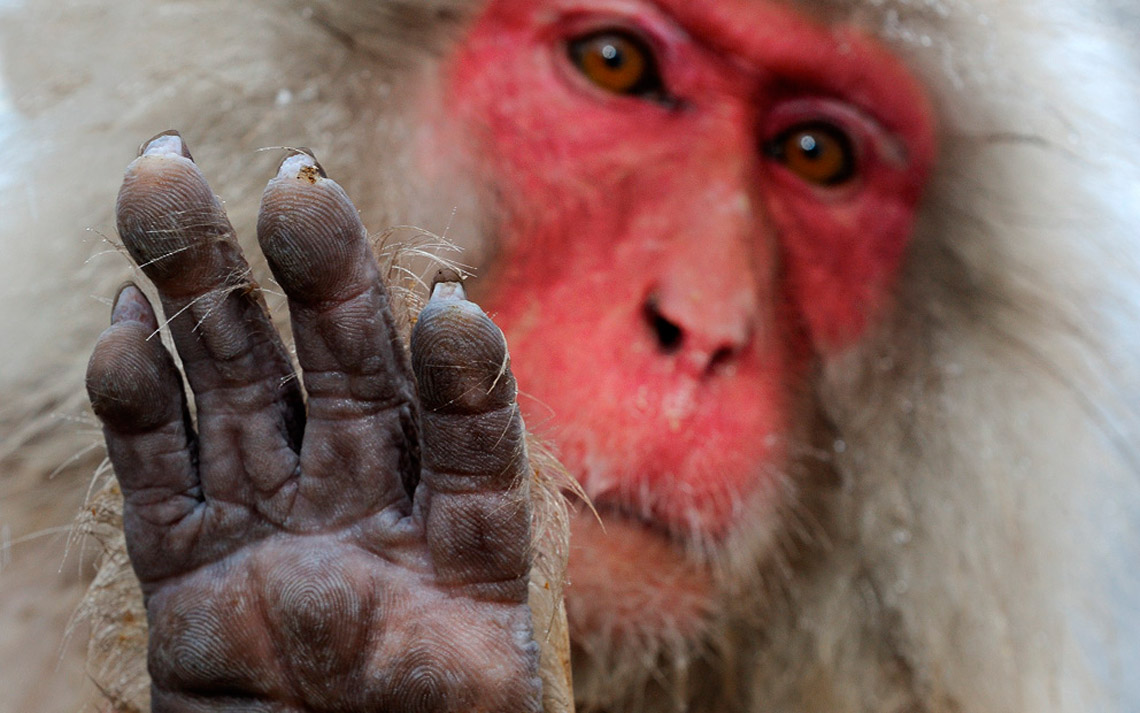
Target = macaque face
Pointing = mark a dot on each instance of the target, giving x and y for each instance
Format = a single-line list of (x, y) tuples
[(700, 201)]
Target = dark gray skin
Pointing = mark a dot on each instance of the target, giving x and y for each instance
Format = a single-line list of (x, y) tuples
[(366, 551)]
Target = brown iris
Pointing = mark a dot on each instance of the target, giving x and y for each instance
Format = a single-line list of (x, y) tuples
[(819, 153), (618, 62)]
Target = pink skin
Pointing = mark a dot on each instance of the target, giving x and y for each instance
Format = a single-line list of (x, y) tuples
[(615, 203)]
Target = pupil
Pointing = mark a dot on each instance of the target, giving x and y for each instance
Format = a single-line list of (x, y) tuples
[(809, 146), (612, 56)]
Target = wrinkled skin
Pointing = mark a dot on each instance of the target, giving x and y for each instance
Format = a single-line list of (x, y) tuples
[(368, 552)]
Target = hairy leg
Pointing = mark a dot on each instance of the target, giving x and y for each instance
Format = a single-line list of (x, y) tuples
[(367, 550)]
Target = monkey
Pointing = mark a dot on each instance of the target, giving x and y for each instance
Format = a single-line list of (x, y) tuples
[(911, 487)]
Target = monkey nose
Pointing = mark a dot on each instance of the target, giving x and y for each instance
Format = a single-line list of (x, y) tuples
[(701, 344)]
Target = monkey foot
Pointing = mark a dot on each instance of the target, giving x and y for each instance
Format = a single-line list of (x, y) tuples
[(366, 548)]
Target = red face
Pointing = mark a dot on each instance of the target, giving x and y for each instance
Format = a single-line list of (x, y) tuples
[(701, 199)]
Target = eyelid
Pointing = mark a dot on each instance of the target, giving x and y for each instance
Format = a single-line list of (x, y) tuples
[(650, 31)]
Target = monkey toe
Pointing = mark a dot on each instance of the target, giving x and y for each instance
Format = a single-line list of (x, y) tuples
[(362, 435), (454, 332), (170, 221), (136, 391), (312, 235), (132, 382), (476, 465), (176, 230)]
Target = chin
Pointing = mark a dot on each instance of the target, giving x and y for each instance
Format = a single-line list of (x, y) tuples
[(633, 581), (629, 582)]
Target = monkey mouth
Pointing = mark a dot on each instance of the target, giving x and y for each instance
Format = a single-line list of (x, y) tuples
[(684, 524), (612, 509), (692, 511)]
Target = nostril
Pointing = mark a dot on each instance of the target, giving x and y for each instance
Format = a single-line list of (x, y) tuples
[(669, 335), (721, 357)]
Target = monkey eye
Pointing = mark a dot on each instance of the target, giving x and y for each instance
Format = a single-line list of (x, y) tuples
[(818, 152), (619, 62)]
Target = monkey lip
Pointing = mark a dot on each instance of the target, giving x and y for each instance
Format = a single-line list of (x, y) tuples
[(612, 509), (690, 491), (691, 532)]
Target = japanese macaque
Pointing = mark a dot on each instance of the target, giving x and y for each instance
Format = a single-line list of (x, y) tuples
[(827, 307)]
